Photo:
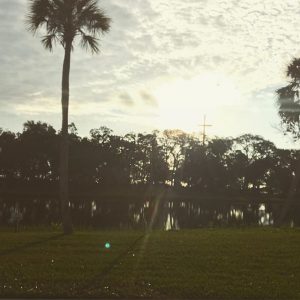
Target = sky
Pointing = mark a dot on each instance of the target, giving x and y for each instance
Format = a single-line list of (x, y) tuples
[(163, 65)]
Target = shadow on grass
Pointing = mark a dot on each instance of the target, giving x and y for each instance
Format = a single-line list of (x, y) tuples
[(96, 280), (29, 245)]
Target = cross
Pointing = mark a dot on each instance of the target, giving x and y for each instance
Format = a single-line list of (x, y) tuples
[(204, 125)]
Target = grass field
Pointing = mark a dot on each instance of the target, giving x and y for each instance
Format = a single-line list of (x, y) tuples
[(257, 263)]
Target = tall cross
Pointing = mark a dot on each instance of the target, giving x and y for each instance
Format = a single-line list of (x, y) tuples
[(204, 125)]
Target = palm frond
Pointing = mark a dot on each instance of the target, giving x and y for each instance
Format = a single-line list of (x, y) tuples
[(91, 18), (89, 42), (288, 100), (288, 92), (293, 69), (48, 41), (37, 16), (99, 23)]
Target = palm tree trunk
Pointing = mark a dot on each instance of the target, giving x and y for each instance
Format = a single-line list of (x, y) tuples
[(291, 195), (64, 150)]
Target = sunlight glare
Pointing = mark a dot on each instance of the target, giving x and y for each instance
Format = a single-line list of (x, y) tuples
[(183, 102)]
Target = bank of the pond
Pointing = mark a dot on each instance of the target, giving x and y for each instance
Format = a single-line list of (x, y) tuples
[(250, 263)]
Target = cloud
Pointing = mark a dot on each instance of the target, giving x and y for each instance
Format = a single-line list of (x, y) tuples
[(250, 41), (148, 99), (126, 99)]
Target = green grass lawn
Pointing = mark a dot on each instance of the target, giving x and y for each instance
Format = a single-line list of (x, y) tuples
[(257, 263)]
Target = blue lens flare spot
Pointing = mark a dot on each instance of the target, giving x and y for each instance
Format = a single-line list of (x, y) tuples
[(107, 245)]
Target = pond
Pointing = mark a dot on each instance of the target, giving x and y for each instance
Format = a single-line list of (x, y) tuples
[(151, 213)]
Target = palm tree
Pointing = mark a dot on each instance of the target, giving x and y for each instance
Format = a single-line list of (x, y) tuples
[(64, 21), (288, 98)]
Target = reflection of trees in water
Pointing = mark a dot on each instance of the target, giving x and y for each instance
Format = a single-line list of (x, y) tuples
[(148, 213)]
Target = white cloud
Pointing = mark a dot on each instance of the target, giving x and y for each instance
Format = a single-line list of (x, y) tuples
[(151, 43)]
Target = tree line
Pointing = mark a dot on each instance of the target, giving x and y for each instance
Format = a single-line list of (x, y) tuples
[(171, 158)]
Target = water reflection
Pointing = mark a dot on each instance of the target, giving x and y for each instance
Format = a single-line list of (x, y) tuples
[(149, 213), (265, 217)]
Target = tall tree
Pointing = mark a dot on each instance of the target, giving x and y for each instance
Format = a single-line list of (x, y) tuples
[(289, 100), (255, 156), (289, 111), (37, 160), (63, 21)]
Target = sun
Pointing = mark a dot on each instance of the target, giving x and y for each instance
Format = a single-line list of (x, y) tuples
[(183, 102)]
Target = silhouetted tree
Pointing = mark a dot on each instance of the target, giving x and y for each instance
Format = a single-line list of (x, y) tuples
[(38, 156), (289, 111), (148, 164), (174, 143), (254, 156), (281, 173), (8, 155), (63, 21), (111, 165), (289, 100), (194, 168), (237, 164)]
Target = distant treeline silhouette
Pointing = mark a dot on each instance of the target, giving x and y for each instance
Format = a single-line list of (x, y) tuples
[(134, 166)]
